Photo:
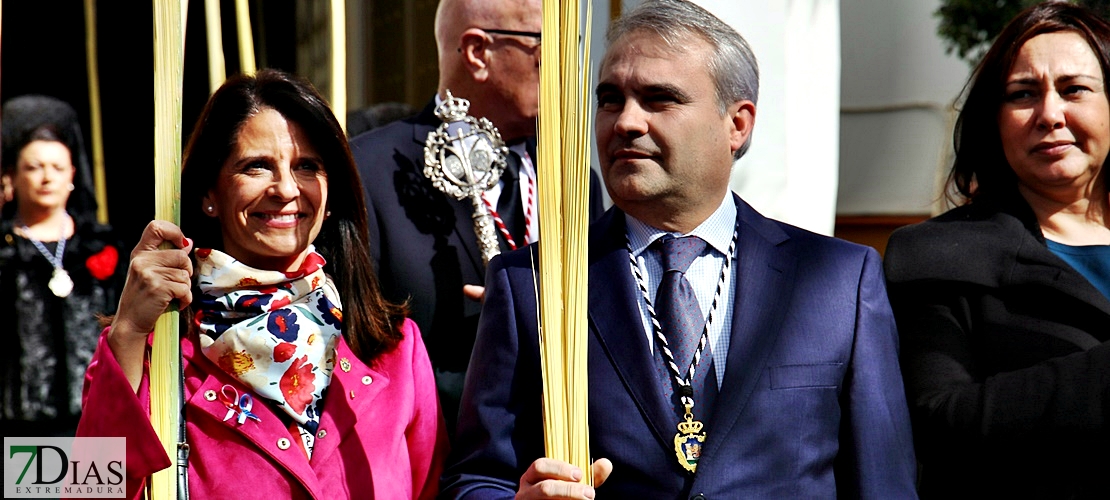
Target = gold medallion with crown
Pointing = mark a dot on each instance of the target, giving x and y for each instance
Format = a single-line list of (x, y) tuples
[(689, 441), (466, 164)]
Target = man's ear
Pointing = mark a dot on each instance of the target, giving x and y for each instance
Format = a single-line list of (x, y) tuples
[(474, 46), (742, 120)]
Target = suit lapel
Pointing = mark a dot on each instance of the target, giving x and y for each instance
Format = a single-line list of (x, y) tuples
[(468, 240), (1033, 262), (1036, 264), (427, 122), (763, 286), (530, 147), (350, 397), (616, 321), (205, 403)]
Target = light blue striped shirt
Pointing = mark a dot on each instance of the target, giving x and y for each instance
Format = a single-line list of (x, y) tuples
[(703, 274)]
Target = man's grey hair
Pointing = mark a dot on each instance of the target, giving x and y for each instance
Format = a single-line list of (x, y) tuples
[(732, 65)]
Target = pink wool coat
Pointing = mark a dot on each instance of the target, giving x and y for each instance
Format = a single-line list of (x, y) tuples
[(381, 434)]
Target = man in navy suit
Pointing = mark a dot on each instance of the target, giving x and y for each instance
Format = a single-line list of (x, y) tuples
[(800, 393), (422, 240)]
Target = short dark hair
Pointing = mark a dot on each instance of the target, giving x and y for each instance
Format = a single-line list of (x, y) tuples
[(732, 64), (980, 171), (370, 324)]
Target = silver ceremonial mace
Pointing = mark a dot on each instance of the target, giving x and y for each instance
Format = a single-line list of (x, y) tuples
[(467, 164)]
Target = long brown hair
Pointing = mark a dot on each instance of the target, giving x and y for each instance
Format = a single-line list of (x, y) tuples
[(371, 325), (981, 170)]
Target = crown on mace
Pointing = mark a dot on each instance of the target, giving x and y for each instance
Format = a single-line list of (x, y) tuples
[(453, 109)]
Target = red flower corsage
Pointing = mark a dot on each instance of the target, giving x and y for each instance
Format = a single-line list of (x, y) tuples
[(102, 264)]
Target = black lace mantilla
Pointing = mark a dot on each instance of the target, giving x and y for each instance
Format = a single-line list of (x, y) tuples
[(50, 340)]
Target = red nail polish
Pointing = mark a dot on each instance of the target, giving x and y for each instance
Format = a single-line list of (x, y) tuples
[(186, 242)]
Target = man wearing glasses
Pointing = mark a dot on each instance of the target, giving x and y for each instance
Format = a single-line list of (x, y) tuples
[(422, 240)]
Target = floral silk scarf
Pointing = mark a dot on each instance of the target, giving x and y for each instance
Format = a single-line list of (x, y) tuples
[(275, 332)]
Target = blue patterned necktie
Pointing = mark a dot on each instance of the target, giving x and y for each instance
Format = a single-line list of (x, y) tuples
[(682, 322)]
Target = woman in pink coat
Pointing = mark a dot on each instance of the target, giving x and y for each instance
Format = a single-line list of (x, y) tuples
[(300, 380)]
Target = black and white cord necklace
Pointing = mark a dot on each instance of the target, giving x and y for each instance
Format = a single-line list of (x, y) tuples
[(60, 282), (690, 438)]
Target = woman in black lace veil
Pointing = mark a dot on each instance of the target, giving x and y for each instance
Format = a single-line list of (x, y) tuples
[(59, 269)]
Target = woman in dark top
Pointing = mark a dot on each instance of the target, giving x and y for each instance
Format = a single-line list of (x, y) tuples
[(1004, 343), (59, 268)]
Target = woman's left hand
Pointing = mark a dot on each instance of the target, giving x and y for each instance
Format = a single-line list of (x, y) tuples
[(155, 278)]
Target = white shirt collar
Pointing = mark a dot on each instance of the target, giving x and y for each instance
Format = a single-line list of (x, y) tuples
[(716, 230)]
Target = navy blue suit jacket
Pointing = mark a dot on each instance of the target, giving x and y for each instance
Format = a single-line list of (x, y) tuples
[(811, 404)]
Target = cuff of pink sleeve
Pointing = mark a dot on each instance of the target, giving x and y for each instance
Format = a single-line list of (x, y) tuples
[(112, 409)]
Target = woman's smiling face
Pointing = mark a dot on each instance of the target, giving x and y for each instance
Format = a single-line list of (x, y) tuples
[(271, 194)]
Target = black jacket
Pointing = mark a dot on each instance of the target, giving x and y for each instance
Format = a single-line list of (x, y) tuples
[(49, 340), (1004, 356)]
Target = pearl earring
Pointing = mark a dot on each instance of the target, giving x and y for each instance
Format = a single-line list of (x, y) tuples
[(210, 209)]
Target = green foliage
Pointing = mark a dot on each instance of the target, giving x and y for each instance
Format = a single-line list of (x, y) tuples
[(969, 26)]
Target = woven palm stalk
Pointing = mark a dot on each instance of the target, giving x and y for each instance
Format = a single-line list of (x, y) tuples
[(213, 27), (339, 61), (165, 362), (563, 171), (93, 69), (246, 38)]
